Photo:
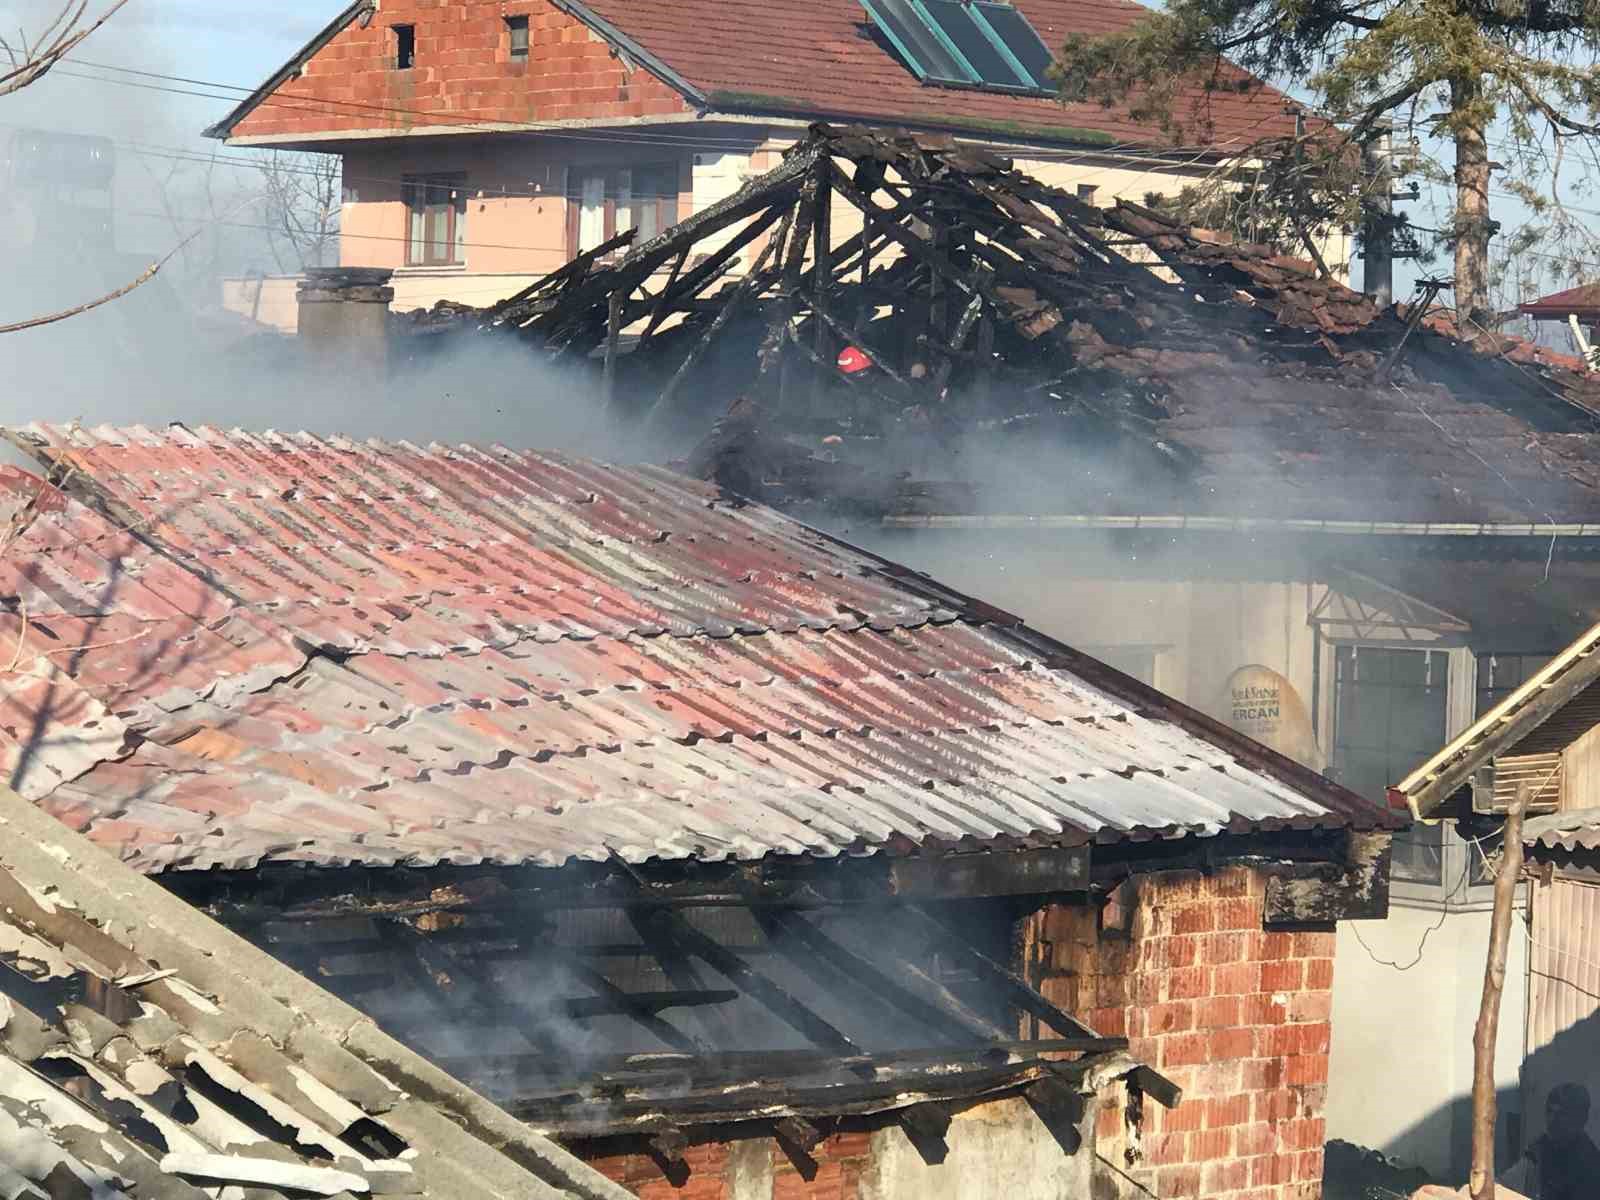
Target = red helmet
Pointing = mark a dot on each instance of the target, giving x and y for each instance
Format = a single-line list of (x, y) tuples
[(851, 360)]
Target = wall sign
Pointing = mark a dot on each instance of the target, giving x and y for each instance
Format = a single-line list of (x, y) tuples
[(1262, 704)]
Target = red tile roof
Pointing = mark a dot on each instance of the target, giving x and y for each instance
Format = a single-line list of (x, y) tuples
[(817, 59), (333, 652), (1583, 300)]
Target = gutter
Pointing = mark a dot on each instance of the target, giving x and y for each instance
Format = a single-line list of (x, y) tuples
[(624, 43), (1247, 525)]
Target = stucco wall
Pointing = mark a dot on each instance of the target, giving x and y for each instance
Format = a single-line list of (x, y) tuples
[(1402, 1039)]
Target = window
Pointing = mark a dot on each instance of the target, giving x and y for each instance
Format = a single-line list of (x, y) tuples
[(1501, 674), (436, 208), (405, 46), (966, 43), (518, 28), (605, 201), (1390, 711)]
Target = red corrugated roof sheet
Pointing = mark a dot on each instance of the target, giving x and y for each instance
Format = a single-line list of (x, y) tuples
[(819, 59), (284, 648)]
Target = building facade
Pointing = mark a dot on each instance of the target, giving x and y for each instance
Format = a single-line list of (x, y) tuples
[(486, 144)]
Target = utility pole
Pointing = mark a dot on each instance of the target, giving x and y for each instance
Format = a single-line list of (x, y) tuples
[(1377, 244)]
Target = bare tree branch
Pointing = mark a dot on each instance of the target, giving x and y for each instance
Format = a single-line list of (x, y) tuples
[(146, 276), (31, 61)]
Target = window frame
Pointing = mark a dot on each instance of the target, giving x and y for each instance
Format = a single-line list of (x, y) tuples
[(405, 46), (514, 25), (1462, 885), (410, 188), (616, 195)]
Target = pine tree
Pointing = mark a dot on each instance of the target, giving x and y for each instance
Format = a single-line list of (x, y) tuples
[(1451, 67)]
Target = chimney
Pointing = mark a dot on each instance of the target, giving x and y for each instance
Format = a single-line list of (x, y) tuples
[(344, 315)]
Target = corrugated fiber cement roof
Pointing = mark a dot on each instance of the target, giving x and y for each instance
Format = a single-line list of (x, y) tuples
[(250, 648)]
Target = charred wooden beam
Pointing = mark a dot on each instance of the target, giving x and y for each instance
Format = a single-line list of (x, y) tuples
[(1015, 987), (774, 997), (925, 1126), (909, 988), (1323, 893), (643, 1003), (797, 1134)]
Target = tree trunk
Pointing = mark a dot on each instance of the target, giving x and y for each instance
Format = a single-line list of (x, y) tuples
[(1481, 1180), (1472, 228)]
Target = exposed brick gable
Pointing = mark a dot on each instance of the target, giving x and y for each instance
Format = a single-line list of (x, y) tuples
[(1237, 1016), (462, 74)]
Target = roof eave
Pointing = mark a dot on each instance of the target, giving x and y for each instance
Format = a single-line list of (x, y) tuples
[(627, 45), (1519, 714), (283, 74)]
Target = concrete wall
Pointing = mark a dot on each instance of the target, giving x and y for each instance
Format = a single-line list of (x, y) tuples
[(1402, 1039), (997, 1148)]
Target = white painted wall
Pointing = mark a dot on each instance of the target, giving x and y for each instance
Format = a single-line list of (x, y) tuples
[(1400, 1077)]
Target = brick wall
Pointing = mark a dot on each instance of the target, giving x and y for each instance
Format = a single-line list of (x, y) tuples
[(462, 71), (1237, 1016)]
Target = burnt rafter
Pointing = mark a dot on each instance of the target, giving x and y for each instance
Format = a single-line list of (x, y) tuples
[(896, 309)]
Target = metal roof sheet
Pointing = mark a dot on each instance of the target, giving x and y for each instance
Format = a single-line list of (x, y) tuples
[(145, 1051), (1573, 830), (325, 651)]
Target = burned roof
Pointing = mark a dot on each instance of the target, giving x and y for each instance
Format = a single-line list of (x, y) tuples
[(1015, 351), (235, 648), (146, 1051)]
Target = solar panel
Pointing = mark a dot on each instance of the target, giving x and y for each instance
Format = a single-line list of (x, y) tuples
[(924, 53), (1026, 46), (958, 22)]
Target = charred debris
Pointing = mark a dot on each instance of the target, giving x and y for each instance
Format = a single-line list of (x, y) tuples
[(908, 298)]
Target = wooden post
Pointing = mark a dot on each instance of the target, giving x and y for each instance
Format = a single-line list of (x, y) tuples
[(1481, 1180), (822, 276), (613, 331)]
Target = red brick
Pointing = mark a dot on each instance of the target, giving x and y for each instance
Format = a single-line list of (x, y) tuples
[(1178, 1181), (1272, 947), (1278, 1041), (1227, 1110), (1163, 1148), (1181, 1048), (1243, 913), (1216, 1012), (1263, 1009), (1308, 1133), (1282, 1105), (1227, 1176), (1284, 976), (1313, 945), (1307, 1068), (1313, 1038), (1272, 1169), (1216, 1079), (1261, 1075), (1236, 979), (1313, 1098), (1308, 1165), (1108, 1122), (1170, 953), (1311, 1006), (1319, 973), (1189, 1116), (1174, 1017), (1194, 918), (1260, 1137), (1232, 1043), (1218, 948), (1187, 983), (1235, 882)]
